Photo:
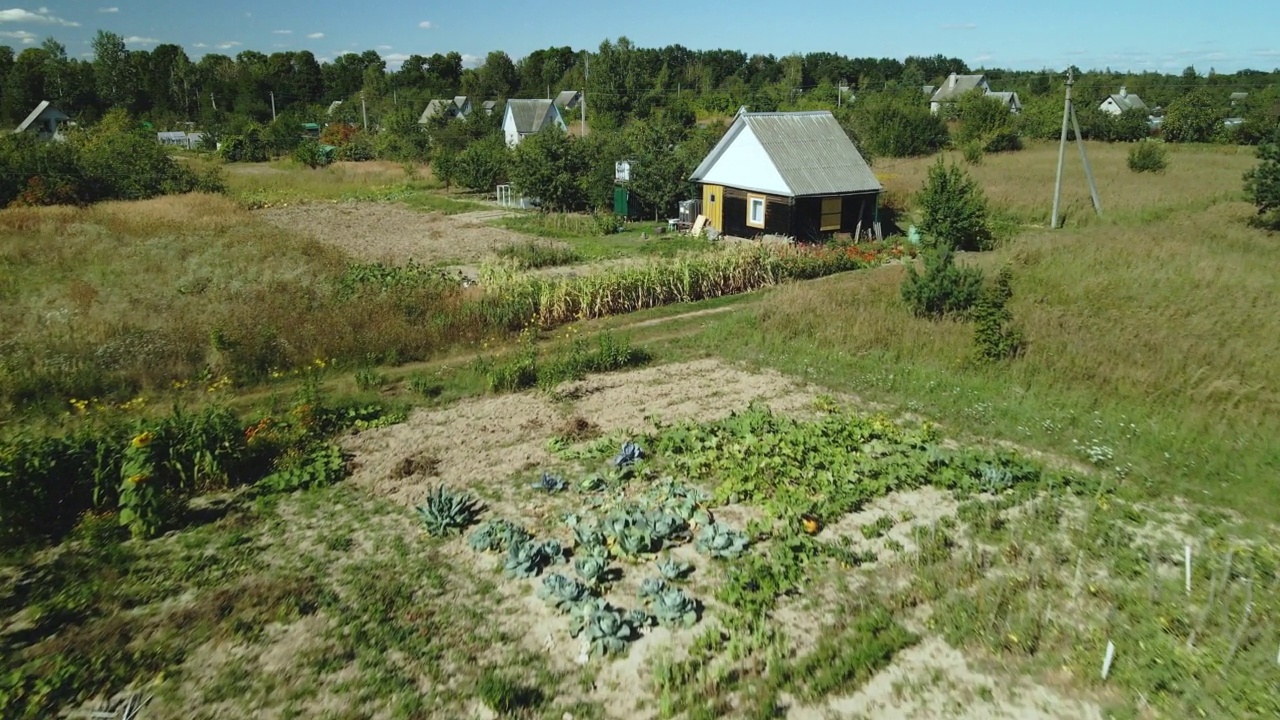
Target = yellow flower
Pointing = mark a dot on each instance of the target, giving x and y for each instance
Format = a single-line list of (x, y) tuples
[(143, 440), (139, 478), (1013, 638)]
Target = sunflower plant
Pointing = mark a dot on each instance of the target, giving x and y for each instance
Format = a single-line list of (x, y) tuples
[(139, 496)]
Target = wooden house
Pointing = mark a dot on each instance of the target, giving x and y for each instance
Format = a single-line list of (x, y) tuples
[(568, 100), (794, 174), (1122, 101)]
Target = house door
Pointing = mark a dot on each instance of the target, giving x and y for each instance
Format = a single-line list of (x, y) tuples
[(712, 206)]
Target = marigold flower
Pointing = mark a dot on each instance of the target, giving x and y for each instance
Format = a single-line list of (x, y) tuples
[(143, 440), (138, 479)]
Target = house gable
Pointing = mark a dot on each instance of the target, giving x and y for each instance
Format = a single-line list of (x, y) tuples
[(745, 163)]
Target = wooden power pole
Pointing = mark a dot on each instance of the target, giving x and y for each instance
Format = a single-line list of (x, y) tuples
[(586, 81), (1069, 117)]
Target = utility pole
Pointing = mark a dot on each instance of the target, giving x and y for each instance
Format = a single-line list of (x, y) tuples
[(213, 102), (364, 112), (585, 84), (1069, 119), (273, 106)]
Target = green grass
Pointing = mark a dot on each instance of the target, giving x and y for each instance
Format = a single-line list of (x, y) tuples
[(532, 254)]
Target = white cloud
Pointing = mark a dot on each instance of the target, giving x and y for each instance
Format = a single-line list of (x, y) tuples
[(109, 10), (228, 45), (426, 25), (383, 47), (42, 17), (471, 60), (281, 32), (200, 45), (135, 40), (395, 57), (23, 36), (316, 36), (960, 26)]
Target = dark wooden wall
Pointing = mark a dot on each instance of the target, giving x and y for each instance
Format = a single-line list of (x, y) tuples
[(801, 220)]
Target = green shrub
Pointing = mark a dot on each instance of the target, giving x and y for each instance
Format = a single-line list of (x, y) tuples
[(1003, 140), (1262, 183), (955, 210), (359, 148), (247, 147), (994, 333), (897, 125), (981, 117), (483, 165), (309, 153), (943, 288), (972, 151), (1147, 156), (607, 223)]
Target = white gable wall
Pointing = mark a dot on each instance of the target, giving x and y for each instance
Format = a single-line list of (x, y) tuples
[(509, 128), (1110, 107), (746, 164)]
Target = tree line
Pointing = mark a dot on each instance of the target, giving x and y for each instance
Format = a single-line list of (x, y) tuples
[(166, 87)]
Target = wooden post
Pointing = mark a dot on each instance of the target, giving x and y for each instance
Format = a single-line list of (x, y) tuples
[(1062, 149)]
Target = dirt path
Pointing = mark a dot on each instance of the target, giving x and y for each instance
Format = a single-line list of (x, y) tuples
[(392, 233)]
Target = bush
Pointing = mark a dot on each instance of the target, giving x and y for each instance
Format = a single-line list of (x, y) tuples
[(955, 210), (553, 167), (1195, 117), (972, 152), (483, 165), (897, 126), (981, 117), (248, 147), (1262, 183), (994, 335), (1003, 140), (359, 148), (943, 289), (309, 153), (1148, 156), (530, 255)]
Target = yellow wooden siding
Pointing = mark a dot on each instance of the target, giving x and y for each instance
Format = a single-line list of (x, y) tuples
[(713, 205), (830, 214)]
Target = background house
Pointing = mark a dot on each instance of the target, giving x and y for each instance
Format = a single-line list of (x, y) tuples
[(1122, 102), (1009, 99), (435, 108), (462, 106), (1238, 97), (956, 86), (489, 106), (792, 174), (526, 117), (44, 122), (568, 100)]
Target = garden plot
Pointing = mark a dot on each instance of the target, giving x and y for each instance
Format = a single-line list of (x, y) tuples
[(728, 542), (394, 234)]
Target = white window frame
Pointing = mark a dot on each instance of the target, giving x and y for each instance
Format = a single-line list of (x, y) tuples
[(751, 204)]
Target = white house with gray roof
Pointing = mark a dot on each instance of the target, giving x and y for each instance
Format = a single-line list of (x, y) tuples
[(956, 86), (1122, 101), (526, 117), (793, 174)]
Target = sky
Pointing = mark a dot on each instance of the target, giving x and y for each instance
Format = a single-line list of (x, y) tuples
[(1164, 36)]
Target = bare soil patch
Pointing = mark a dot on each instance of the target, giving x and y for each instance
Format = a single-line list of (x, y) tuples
[(394, 234)]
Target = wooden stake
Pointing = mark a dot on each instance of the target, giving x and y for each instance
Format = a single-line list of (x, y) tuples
[(1188, 571), (1106, 662)]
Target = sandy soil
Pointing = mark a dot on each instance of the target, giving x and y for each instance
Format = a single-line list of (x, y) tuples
[(493, 438), (391, 233)]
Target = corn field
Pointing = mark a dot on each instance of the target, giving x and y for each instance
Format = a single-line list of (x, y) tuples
[(548, 302)]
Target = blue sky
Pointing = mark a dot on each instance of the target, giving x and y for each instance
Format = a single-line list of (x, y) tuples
[(1122, 34)]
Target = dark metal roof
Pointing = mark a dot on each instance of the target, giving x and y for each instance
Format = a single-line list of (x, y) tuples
[(810, 151)]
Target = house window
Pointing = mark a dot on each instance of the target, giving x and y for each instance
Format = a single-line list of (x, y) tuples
[(830, 214), (755, 211)]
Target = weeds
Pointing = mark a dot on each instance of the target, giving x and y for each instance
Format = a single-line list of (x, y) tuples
[(531, 255)]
